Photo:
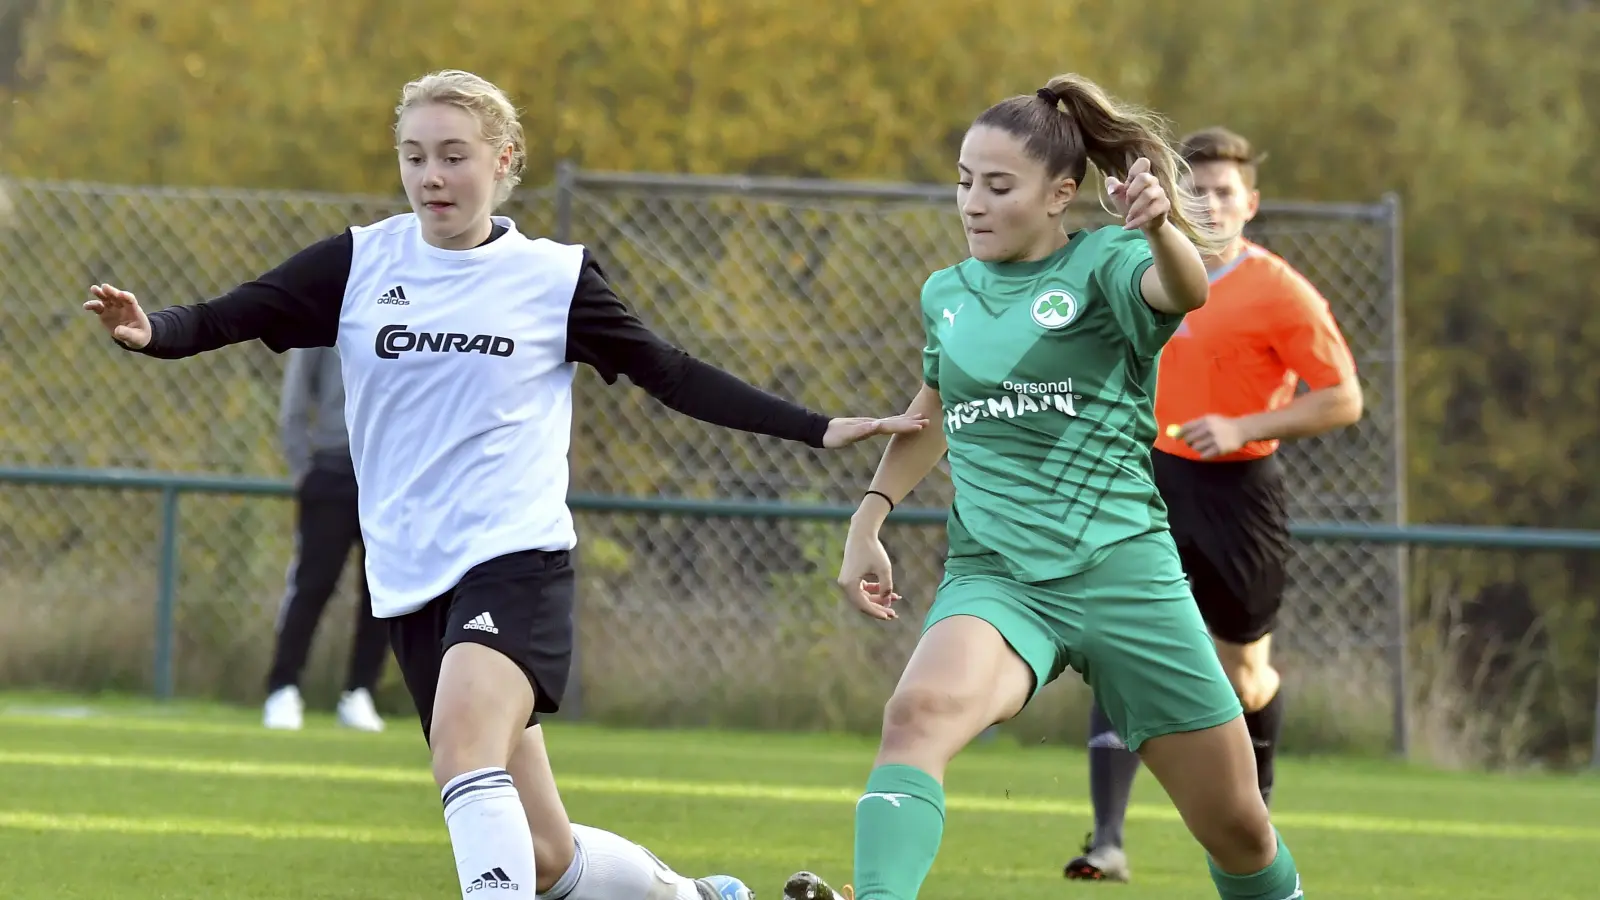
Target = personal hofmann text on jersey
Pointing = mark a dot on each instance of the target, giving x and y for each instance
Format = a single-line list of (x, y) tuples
[(1028, 398)]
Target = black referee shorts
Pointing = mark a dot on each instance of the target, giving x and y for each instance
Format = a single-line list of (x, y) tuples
[(1231, 523), (519, 604)]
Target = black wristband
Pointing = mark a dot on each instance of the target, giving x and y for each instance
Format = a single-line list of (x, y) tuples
[(883, 495)]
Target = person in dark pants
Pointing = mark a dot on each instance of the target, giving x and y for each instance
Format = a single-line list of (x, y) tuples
[(317, 447)]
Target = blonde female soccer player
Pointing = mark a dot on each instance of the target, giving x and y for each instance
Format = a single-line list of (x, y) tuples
[(458, 337)]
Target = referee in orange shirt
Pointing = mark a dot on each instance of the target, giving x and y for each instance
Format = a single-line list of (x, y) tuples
[(1225, 396)]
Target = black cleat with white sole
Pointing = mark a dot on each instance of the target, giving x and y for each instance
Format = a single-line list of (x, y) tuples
[(1098, 864)]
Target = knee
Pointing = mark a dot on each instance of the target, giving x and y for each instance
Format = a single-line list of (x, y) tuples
[(446, 762), (1254, 680), (1240, 836), (460, 745), (916, 713)]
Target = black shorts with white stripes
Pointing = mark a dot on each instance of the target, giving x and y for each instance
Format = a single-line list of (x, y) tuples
[(519, 604)]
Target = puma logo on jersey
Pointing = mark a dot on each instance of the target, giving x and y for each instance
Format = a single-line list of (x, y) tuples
[(951, 316)]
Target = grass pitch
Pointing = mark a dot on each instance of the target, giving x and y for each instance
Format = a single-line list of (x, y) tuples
[(128, 799)]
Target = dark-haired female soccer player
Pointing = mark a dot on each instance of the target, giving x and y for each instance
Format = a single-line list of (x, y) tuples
[(1041, 360)]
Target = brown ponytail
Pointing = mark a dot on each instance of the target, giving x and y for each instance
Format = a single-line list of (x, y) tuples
[(1071, 122)]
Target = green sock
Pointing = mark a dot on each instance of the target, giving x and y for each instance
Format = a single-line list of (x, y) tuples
[(1278, 881), (899, 822)]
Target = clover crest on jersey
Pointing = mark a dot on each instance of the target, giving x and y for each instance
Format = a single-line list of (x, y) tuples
[(1054, 309)]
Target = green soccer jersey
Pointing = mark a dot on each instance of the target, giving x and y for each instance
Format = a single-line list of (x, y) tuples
[(1047, 370)]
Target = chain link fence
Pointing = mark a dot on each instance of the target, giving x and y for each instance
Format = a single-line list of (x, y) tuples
[(808, 288), (812, 288)]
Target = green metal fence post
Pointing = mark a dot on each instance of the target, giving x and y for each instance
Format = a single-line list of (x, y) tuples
[(1594, 756), (1400, 660), (167, 592)]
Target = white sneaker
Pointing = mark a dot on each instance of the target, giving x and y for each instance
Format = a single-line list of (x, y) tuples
[(285, 710), (356, 711)]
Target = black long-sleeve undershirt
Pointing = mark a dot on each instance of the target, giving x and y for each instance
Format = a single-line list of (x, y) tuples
[(297, 304), (603, 334)]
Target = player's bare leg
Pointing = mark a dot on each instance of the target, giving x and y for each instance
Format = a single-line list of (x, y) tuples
[(480, 707), (1210, 776), (962, 678), (1259, 686), (542, 805), (1250, 671)]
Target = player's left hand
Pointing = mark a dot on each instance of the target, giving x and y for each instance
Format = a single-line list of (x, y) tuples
[(1212, 436), (1141, 199), (844, 432)]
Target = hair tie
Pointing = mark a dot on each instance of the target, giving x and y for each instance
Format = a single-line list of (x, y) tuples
[(1048, 95)]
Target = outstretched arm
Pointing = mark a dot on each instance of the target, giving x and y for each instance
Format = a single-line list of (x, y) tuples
[(865, 574), (906, 461), (296, 304), (605, 335)]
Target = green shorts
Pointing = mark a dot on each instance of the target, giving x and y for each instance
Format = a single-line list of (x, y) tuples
[(1129, 626)]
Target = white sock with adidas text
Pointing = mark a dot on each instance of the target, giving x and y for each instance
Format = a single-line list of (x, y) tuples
[(489, 832), (608, 866)]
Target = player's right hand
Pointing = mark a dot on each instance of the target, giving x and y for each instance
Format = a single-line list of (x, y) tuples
[(1141, 200), (866, 576), (119, 312)]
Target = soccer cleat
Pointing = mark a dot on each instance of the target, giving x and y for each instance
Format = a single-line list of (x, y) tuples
[(1098, 864), (356, 711), (284, 711), (809, 886), (723, 887)]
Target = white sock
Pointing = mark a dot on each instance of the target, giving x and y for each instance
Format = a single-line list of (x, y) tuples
[(489, 831), (606, 866)]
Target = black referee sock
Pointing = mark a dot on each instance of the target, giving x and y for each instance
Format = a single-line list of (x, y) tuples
[(1112, 769), (1265, 725)]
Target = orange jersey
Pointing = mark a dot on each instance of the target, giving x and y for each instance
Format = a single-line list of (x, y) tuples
[(1263, 329)]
